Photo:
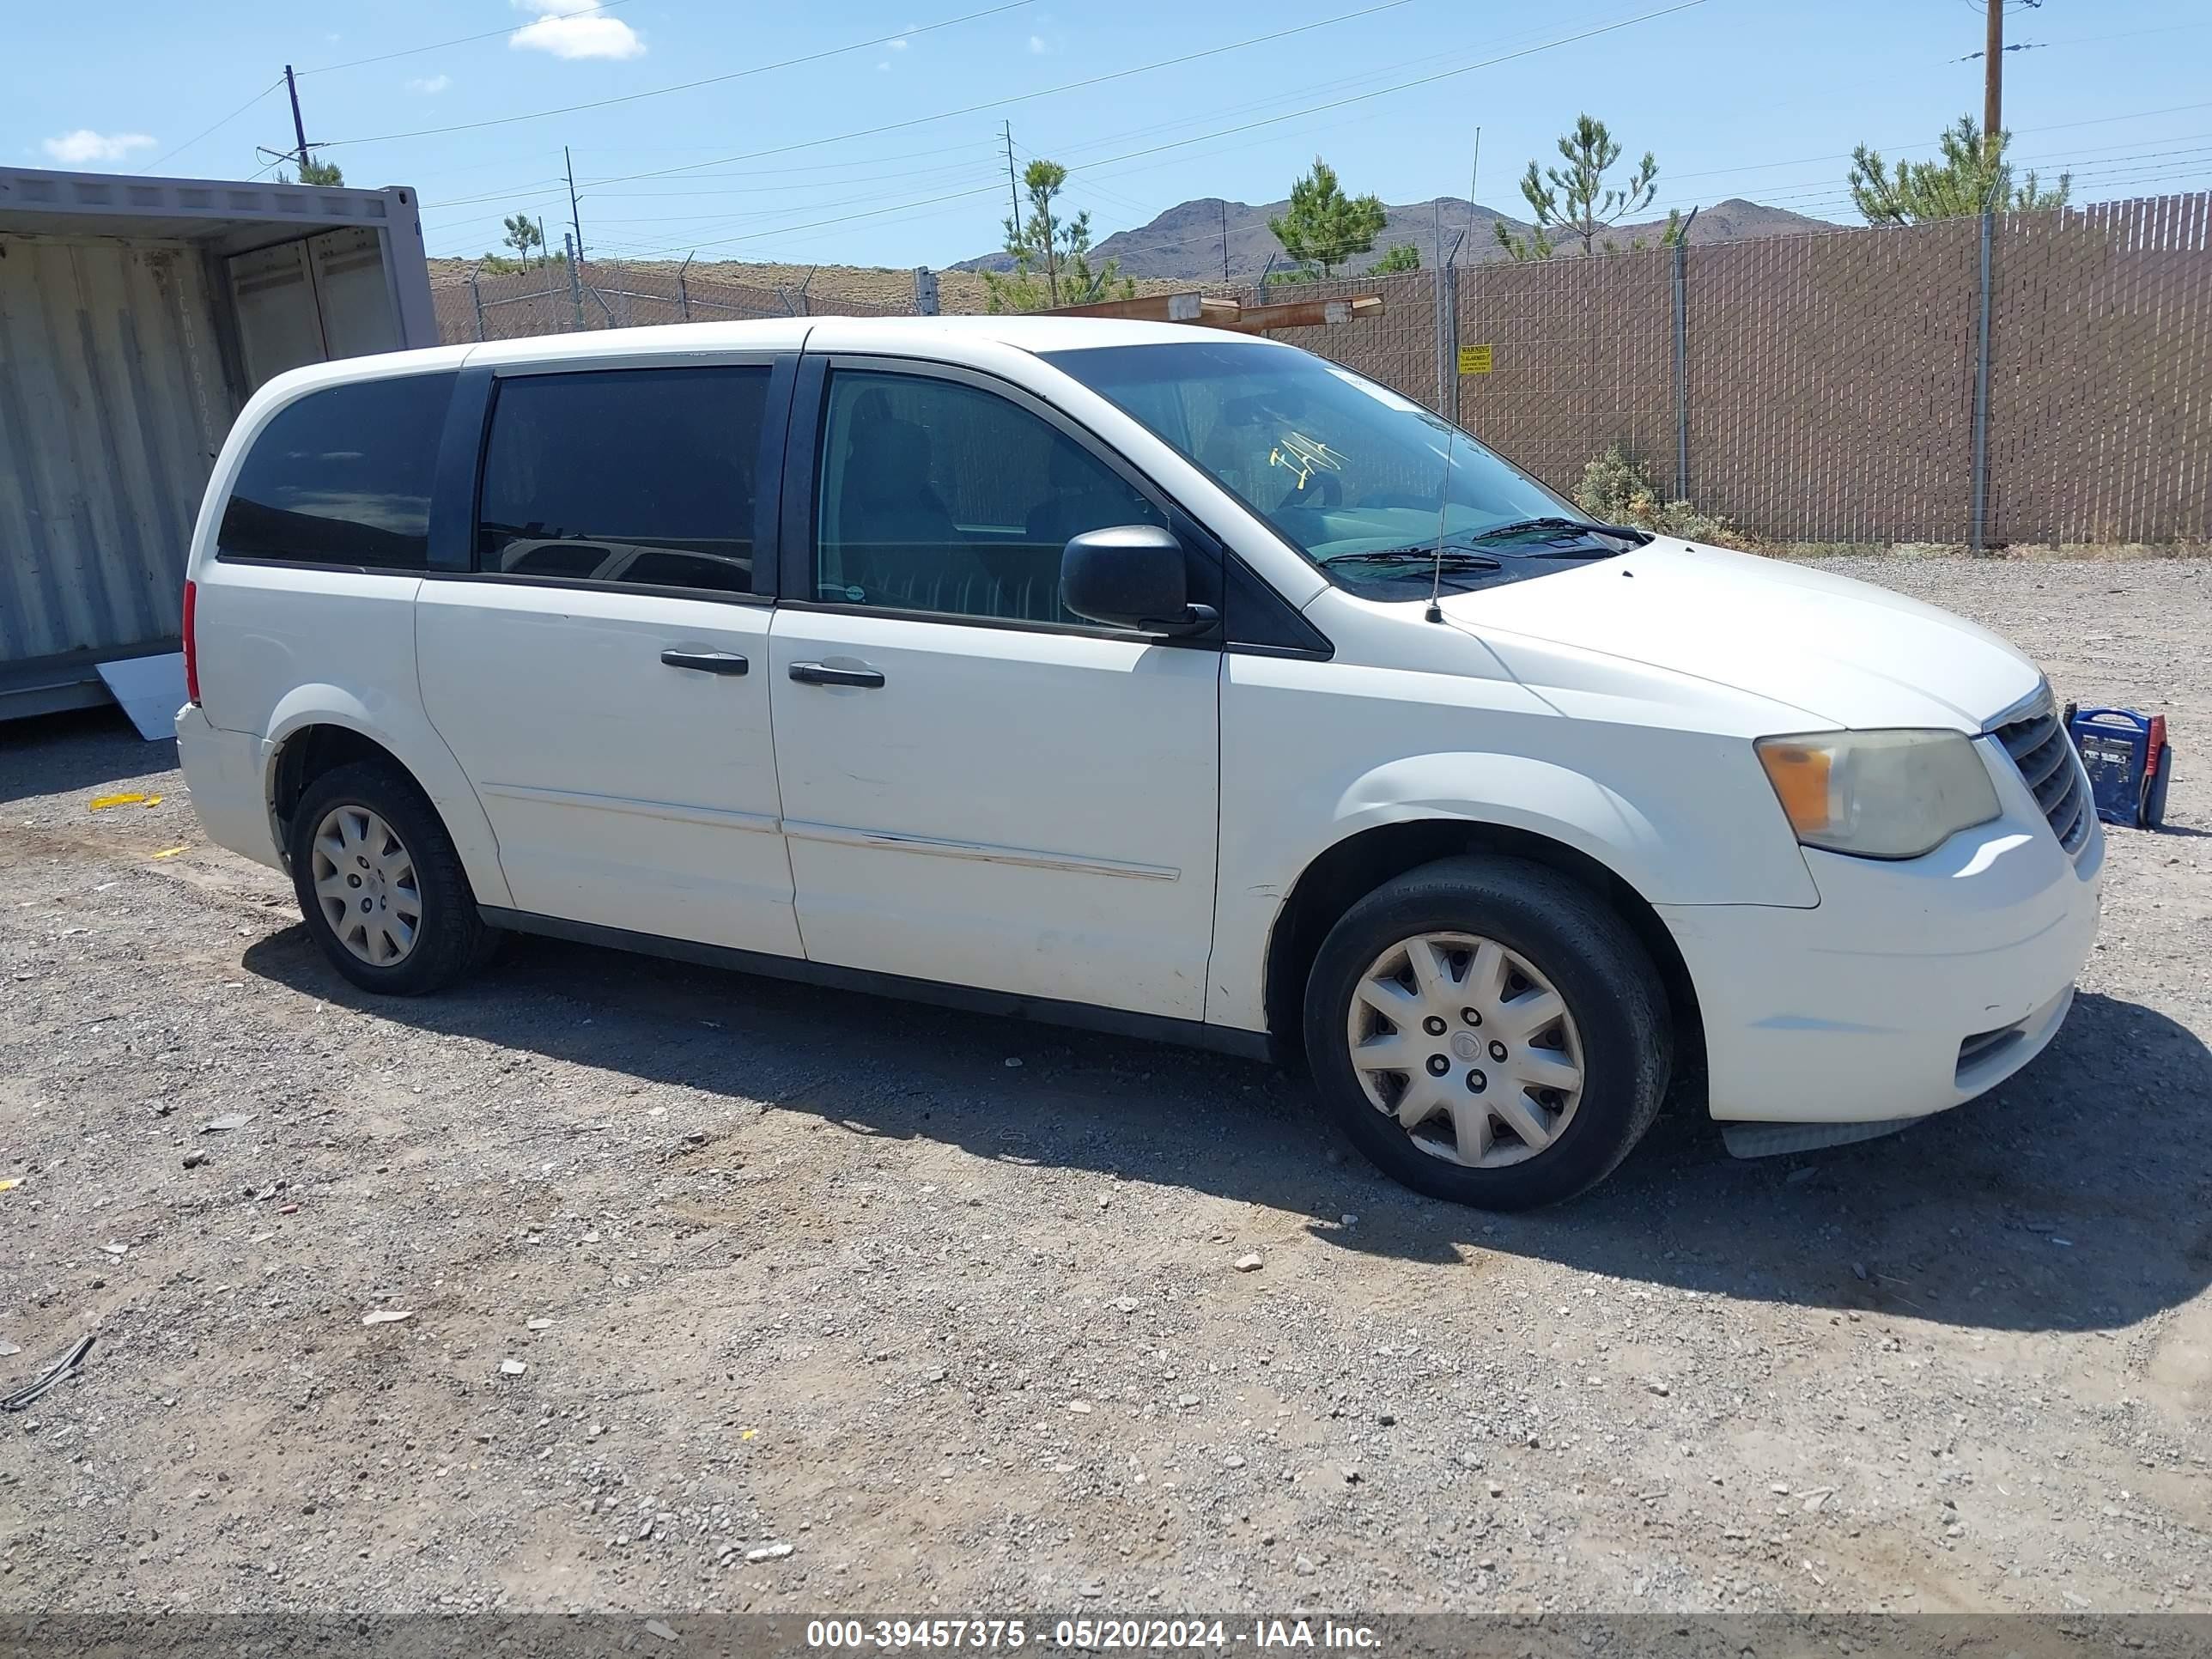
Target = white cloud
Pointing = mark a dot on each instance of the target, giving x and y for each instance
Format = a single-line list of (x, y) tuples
[(428, 84), (1037, 45), (568, 28), (900, 44), (84, 145), (885, 64)]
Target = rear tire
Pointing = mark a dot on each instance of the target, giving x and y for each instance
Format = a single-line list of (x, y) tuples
[(1532, 1026), (380, 884)]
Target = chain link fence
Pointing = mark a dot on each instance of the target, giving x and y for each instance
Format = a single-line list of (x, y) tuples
[(1827, 388), (565, 297), (1840, 386)]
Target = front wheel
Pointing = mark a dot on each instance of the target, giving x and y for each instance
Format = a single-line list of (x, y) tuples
[(1488, 1031)]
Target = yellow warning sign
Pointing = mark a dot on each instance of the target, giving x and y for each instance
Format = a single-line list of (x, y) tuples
[(1474, 360)]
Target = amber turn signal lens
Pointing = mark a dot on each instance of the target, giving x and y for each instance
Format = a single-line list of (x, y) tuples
[(1800, 777)]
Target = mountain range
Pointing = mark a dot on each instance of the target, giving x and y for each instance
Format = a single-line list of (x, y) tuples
[(1210, 239)]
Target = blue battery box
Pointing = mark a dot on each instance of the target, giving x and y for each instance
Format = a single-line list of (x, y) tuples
[(2128, 761)]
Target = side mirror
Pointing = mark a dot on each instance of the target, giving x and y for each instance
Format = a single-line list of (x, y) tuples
[(1131, 575)]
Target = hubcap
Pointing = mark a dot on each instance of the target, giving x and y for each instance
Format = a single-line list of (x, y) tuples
[(1521, 1092), (364, 880)]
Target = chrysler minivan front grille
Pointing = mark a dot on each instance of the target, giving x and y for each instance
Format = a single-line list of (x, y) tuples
[(2040, 747)]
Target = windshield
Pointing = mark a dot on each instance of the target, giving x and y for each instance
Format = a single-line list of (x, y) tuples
[(1362, 481)]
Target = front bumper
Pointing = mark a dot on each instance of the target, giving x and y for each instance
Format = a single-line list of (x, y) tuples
[(1912, 987)]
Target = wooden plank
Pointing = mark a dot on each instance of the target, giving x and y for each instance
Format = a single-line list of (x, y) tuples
[(1304, 314), (1156, 308), (1228, 313)]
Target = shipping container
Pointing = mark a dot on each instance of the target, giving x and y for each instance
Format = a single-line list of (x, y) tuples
[(136, 316)]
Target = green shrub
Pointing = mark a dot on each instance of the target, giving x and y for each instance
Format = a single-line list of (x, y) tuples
[(1618, 489)]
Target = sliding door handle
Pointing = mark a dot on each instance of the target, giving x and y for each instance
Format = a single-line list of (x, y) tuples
[(820, 673), (706, 662)]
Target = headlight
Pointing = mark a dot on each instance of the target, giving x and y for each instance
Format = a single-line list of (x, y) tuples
[(1879, 794)]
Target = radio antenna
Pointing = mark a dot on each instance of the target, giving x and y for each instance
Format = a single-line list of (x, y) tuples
[(1436, 610)]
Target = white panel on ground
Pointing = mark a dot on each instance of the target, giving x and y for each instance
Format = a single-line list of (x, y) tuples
[(150, 688)]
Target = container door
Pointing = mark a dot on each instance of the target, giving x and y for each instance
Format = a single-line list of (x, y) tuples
[(279, 323)]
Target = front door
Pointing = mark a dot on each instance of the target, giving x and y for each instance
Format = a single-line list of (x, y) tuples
[(603, 677), (978, 787)]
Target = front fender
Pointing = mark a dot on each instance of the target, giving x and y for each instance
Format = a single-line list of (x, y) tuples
[(417, 748), (1668, 821), (1513, 792)]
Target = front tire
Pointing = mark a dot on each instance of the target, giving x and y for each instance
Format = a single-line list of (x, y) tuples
[(380, 884), (1488, 1031)]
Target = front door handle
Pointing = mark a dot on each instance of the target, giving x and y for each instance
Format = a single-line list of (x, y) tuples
[(706, 662), (820, 673)]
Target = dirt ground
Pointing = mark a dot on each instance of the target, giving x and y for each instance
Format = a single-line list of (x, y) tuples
[(947, 1305)]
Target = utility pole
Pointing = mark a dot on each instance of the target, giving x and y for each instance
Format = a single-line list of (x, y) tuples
[(544, 253), (1993, 80), (299, 129), (575, 219), (1013, 191), (1224, 243)]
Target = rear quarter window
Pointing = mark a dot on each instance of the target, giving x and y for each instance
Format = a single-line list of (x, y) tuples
[(343, 476)]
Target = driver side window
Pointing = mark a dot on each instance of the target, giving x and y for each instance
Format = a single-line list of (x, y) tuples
[(935, 496)]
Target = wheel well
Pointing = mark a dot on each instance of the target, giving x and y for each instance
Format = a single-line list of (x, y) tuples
[(306, 755), (1357, 866)]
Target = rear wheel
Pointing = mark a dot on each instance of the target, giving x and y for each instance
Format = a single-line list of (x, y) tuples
[(1488, 1031), (380, 884)]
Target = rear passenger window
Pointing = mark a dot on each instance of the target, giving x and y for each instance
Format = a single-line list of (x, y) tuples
[(343, 476), (643, 477)]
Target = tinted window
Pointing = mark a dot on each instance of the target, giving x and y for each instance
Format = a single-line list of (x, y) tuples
[(640, 475), (939, 496), (342, 477)]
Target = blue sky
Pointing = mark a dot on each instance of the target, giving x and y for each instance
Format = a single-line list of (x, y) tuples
[(1762, 98)]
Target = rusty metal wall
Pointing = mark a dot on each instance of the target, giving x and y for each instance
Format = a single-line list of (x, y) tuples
[(114, 399)]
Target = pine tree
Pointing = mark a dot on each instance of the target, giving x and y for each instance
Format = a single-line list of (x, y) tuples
[(522, 236), (1575, 201), (1052, 256), (1324, 226), (1968, 176), (312, 172)]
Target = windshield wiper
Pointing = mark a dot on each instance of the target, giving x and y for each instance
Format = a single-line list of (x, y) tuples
[(1581, 526), (1452, 559)]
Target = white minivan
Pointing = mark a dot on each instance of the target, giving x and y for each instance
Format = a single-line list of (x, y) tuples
[(1134, 675)]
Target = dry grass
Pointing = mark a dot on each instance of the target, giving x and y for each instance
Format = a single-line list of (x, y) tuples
[(959, 292)]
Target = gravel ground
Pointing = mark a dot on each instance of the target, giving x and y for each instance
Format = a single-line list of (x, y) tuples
[(716, 1293)]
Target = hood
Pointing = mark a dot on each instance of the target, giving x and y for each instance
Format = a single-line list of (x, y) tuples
[(1851, 654)]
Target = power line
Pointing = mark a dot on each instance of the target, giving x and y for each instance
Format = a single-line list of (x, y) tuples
[(1382, 91), (690, 85), (460, 40), (1024, 97), (695, 168), (225, 122)]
